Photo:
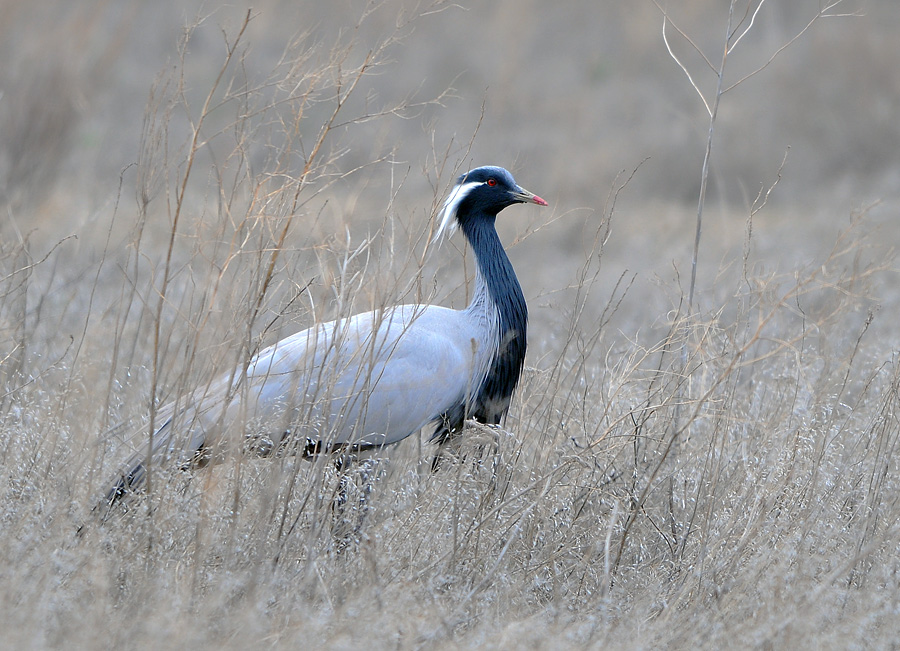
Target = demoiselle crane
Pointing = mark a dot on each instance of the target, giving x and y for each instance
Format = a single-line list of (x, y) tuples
[(370, 380)]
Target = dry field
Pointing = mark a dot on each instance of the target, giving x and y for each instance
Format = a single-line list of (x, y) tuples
[(706, 463)]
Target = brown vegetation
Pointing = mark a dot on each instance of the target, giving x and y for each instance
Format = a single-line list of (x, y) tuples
[(708, 464)]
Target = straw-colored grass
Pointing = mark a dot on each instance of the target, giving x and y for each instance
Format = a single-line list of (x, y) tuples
[(706, 473)]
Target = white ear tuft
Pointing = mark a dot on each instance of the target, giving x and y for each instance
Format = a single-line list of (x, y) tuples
[(447, 214)]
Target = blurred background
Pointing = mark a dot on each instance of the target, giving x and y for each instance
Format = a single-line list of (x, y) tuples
[(572, 97)]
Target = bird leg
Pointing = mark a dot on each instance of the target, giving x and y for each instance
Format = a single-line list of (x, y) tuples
[(449, 443), (481, 441), (447, 434), (350, 505)]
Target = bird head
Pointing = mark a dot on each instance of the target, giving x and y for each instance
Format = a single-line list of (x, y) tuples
[(483, 191)]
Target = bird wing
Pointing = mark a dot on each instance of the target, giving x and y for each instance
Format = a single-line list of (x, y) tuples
[(368, 380)]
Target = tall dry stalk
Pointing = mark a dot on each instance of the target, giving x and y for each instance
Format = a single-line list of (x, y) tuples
[(735, 31), (692, 332)]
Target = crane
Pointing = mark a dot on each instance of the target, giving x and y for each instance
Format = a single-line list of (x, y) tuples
[(370, 380)]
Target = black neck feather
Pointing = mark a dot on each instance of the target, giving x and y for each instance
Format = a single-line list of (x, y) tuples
[(492, 400)]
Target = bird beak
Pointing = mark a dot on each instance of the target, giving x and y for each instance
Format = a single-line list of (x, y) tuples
[(525, 196)]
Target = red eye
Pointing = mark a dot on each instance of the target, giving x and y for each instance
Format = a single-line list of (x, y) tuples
[(492, 182)]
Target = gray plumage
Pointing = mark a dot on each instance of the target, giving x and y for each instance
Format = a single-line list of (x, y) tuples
[(373, 379)]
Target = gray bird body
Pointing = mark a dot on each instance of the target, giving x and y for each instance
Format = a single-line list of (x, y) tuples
[(372, 379)]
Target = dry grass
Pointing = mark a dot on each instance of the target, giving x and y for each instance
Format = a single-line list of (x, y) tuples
[(711, 476)]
